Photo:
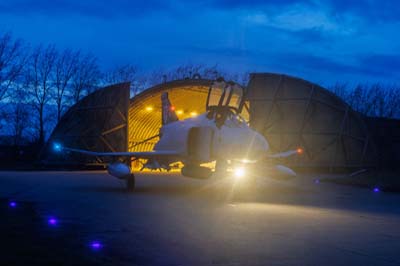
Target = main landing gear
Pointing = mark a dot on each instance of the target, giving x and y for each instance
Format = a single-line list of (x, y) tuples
[(221, 167)]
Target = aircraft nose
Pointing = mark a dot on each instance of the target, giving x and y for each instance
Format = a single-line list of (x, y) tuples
[(259, 147), (262, 143)]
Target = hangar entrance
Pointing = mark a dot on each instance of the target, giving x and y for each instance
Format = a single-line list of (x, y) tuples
[(188, 98)]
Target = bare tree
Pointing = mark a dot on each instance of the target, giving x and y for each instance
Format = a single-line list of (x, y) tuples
[(189, 71), (384, 101), (341, 90), (86, 77), (125, 73), (19, 115), (185, 72), (372, 100), (239, 78), (39, 81), (12, 61), (65, 68), (392, 102)]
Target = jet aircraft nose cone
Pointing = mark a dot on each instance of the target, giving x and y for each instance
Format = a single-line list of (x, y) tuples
[(262, 144), (258, 148)]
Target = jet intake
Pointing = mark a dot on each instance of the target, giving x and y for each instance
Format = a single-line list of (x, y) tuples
[(200, 140), (119, 170), (196, 171)]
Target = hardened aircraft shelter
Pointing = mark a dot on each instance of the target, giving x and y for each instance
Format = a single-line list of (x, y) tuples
[(288, 111)]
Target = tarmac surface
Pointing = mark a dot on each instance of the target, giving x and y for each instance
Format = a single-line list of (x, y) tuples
[(172, 220)]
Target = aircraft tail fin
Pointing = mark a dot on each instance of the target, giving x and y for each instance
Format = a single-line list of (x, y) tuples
[(168, 110)]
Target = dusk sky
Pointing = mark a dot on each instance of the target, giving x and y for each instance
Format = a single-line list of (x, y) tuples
[(323, 41)]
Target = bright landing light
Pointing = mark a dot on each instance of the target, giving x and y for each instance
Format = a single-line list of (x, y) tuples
[(239, 172)]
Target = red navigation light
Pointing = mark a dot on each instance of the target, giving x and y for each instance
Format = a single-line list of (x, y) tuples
[(300, 151)]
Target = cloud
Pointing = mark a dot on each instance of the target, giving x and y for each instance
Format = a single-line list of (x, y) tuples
[(382, 64), (372, 10), (254, 4), (310, 37), (301, 17), (369, 66), (94, 8)]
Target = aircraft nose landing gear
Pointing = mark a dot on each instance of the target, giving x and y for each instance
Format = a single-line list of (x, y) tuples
[(130, 182)]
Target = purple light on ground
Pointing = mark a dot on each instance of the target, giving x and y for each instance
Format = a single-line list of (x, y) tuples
[(13, 204), (316, 181), (376, 189), (96, 245), (52, 221)]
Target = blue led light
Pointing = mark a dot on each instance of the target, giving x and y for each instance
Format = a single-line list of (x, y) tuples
[(96, 245), (376, 189), (52, 221), (57, 147), (12, 204)]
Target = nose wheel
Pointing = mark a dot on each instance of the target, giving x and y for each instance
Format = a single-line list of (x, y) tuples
[(130, 182), (221, 167)]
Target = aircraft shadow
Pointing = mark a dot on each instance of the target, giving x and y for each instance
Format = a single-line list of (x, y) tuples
[(142, 190)]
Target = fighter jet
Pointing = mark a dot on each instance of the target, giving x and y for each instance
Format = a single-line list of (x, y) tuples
[(219, 135)]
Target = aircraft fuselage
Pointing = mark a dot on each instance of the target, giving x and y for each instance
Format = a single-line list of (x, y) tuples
[(199, 140)]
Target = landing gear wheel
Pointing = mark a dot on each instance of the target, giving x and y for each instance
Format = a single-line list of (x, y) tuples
[(130, 182)]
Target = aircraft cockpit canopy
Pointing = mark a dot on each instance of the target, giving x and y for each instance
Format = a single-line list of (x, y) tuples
[(225, 95)]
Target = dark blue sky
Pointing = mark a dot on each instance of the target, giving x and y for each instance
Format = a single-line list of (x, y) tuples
[(324, 41)]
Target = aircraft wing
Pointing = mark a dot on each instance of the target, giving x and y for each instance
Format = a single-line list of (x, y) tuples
[(284, 154), (142, 155)]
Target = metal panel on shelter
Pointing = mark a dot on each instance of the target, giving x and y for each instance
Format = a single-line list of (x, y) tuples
[(98, 122), (292, 112)]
